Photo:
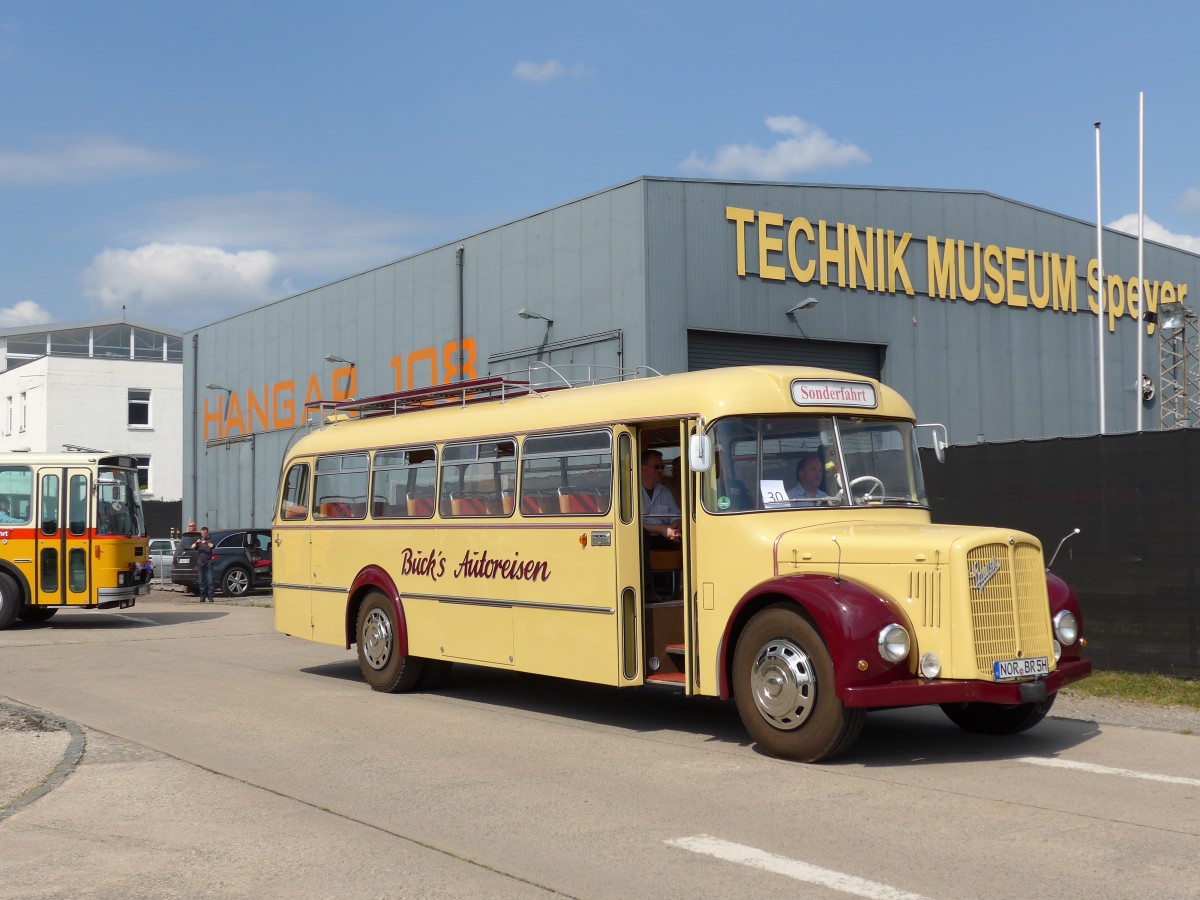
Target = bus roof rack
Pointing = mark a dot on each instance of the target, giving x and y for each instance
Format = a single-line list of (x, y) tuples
[(478, 390), (460, 393)]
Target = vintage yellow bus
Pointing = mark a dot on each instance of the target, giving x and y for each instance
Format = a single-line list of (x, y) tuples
[(72, 534), (500, 524)]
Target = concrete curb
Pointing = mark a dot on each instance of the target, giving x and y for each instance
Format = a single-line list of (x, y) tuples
[(66, 765)]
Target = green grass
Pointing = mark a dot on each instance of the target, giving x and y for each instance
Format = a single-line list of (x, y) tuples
[(1160, 690)]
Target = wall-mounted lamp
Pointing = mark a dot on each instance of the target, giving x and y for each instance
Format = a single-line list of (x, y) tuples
[(219, 387), (329, 357), (530, 314), (806, 303)]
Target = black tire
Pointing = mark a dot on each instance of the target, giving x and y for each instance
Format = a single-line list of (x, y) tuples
[(379, 658), (783, 687), (11, 601), (235, 582), (990, 718), (434, 673), (37, 613)]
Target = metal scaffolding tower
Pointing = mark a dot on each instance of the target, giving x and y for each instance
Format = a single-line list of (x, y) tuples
[(1179, 371)]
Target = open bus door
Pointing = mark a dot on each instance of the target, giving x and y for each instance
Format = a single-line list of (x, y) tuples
[(669, 645), (63, 500)]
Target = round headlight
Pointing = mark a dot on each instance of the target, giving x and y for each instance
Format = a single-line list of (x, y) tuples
[(1066, 628), (893, 643), (931, 666)]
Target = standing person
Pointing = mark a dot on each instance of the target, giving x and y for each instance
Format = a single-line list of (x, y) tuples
[(204, 565)]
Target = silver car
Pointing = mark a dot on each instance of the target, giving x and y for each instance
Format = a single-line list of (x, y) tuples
[(162, 550)]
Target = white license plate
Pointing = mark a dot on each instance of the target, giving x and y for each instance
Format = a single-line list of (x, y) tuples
[(1016, 669)]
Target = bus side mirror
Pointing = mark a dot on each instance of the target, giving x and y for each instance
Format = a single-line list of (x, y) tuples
[(700, 452), (941, 439)]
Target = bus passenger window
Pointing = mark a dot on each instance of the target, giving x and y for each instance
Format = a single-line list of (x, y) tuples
[(476, 477), (567, 474), (340, 488), (294, 503), (404, 483)]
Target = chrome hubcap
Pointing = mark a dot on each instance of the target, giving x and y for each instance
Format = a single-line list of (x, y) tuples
[(376, 639), (784, 684)]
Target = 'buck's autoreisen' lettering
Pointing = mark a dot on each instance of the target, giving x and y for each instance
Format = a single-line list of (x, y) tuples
[(431, 564), (476, 564)]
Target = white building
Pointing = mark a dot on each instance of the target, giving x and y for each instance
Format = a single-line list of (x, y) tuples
[(106, 385)]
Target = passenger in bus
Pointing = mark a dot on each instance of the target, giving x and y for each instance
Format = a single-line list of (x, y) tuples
[(809, 474), (6, 518), (661, 517)]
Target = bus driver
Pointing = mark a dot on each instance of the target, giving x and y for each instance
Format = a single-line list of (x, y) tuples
[(661, 516)]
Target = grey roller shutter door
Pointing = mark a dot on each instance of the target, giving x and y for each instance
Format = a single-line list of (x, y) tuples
[(713, 350)]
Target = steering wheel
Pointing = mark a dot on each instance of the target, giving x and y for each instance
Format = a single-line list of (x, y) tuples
[(862, 478)]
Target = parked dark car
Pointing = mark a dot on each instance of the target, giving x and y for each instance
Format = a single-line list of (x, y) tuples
[(241, 561)]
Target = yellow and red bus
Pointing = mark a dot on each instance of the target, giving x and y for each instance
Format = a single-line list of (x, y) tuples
[(72, 534), (500, 524)]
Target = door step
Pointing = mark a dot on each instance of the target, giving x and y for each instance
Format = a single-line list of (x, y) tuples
[(669, 678)]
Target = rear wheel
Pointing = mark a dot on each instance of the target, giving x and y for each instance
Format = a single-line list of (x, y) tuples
[(783, 687), (11, 601), (236, 582), (37, 613), (989, 718), (378, 639)]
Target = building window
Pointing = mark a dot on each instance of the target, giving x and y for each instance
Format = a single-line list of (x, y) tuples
[(8, 415), (23, 419), (143, 469), (139, 407)]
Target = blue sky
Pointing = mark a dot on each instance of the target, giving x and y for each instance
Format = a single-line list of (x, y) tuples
[(190, 160)]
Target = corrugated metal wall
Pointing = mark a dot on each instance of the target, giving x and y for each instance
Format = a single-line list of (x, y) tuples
[(649, 263)]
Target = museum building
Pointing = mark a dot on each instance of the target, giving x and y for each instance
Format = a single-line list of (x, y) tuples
[(981, 311)]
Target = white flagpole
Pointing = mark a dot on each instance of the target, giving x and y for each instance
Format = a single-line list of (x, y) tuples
[(1100, 294), (1137, 392)]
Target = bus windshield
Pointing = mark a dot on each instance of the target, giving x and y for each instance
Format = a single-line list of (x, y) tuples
[(119, 503), (811, 462)]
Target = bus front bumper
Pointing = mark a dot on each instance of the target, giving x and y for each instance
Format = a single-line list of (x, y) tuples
[(920, 692)]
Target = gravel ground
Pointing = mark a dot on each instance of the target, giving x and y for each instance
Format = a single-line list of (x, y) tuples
[(1182, 719)]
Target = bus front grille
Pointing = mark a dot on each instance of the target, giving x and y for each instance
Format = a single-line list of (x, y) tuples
[(1009, 614)]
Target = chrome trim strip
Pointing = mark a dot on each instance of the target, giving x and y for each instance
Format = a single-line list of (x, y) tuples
[(512, 604), (308, 587)]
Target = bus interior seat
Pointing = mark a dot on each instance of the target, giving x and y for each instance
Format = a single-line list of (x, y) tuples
[(468, 505), (420, 506), (578, 500), (508, 502)]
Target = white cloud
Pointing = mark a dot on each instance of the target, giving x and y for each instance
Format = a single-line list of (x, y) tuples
[(176, 276), (208, 257), (307, 234), (83, 159), (25, 312), (1155, 232), (550, 70), (1190, 201), (806, 148)]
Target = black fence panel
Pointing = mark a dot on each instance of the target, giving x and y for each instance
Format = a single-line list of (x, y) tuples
[(1134, 563), (162, 517)]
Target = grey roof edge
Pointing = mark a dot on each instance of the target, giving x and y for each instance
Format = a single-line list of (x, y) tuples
[(643, 179), (19, 330)]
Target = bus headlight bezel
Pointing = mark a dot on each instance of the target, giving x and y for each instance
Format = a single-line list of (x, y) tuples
[(931, 665), (894, 643), (1066, 627)]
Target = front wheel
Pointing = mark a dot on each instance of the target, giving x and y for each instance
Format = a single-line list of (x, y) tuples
[(783, 687), (990, 718), (378, 639), (37, 613), (236, 582), (11, 601)]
